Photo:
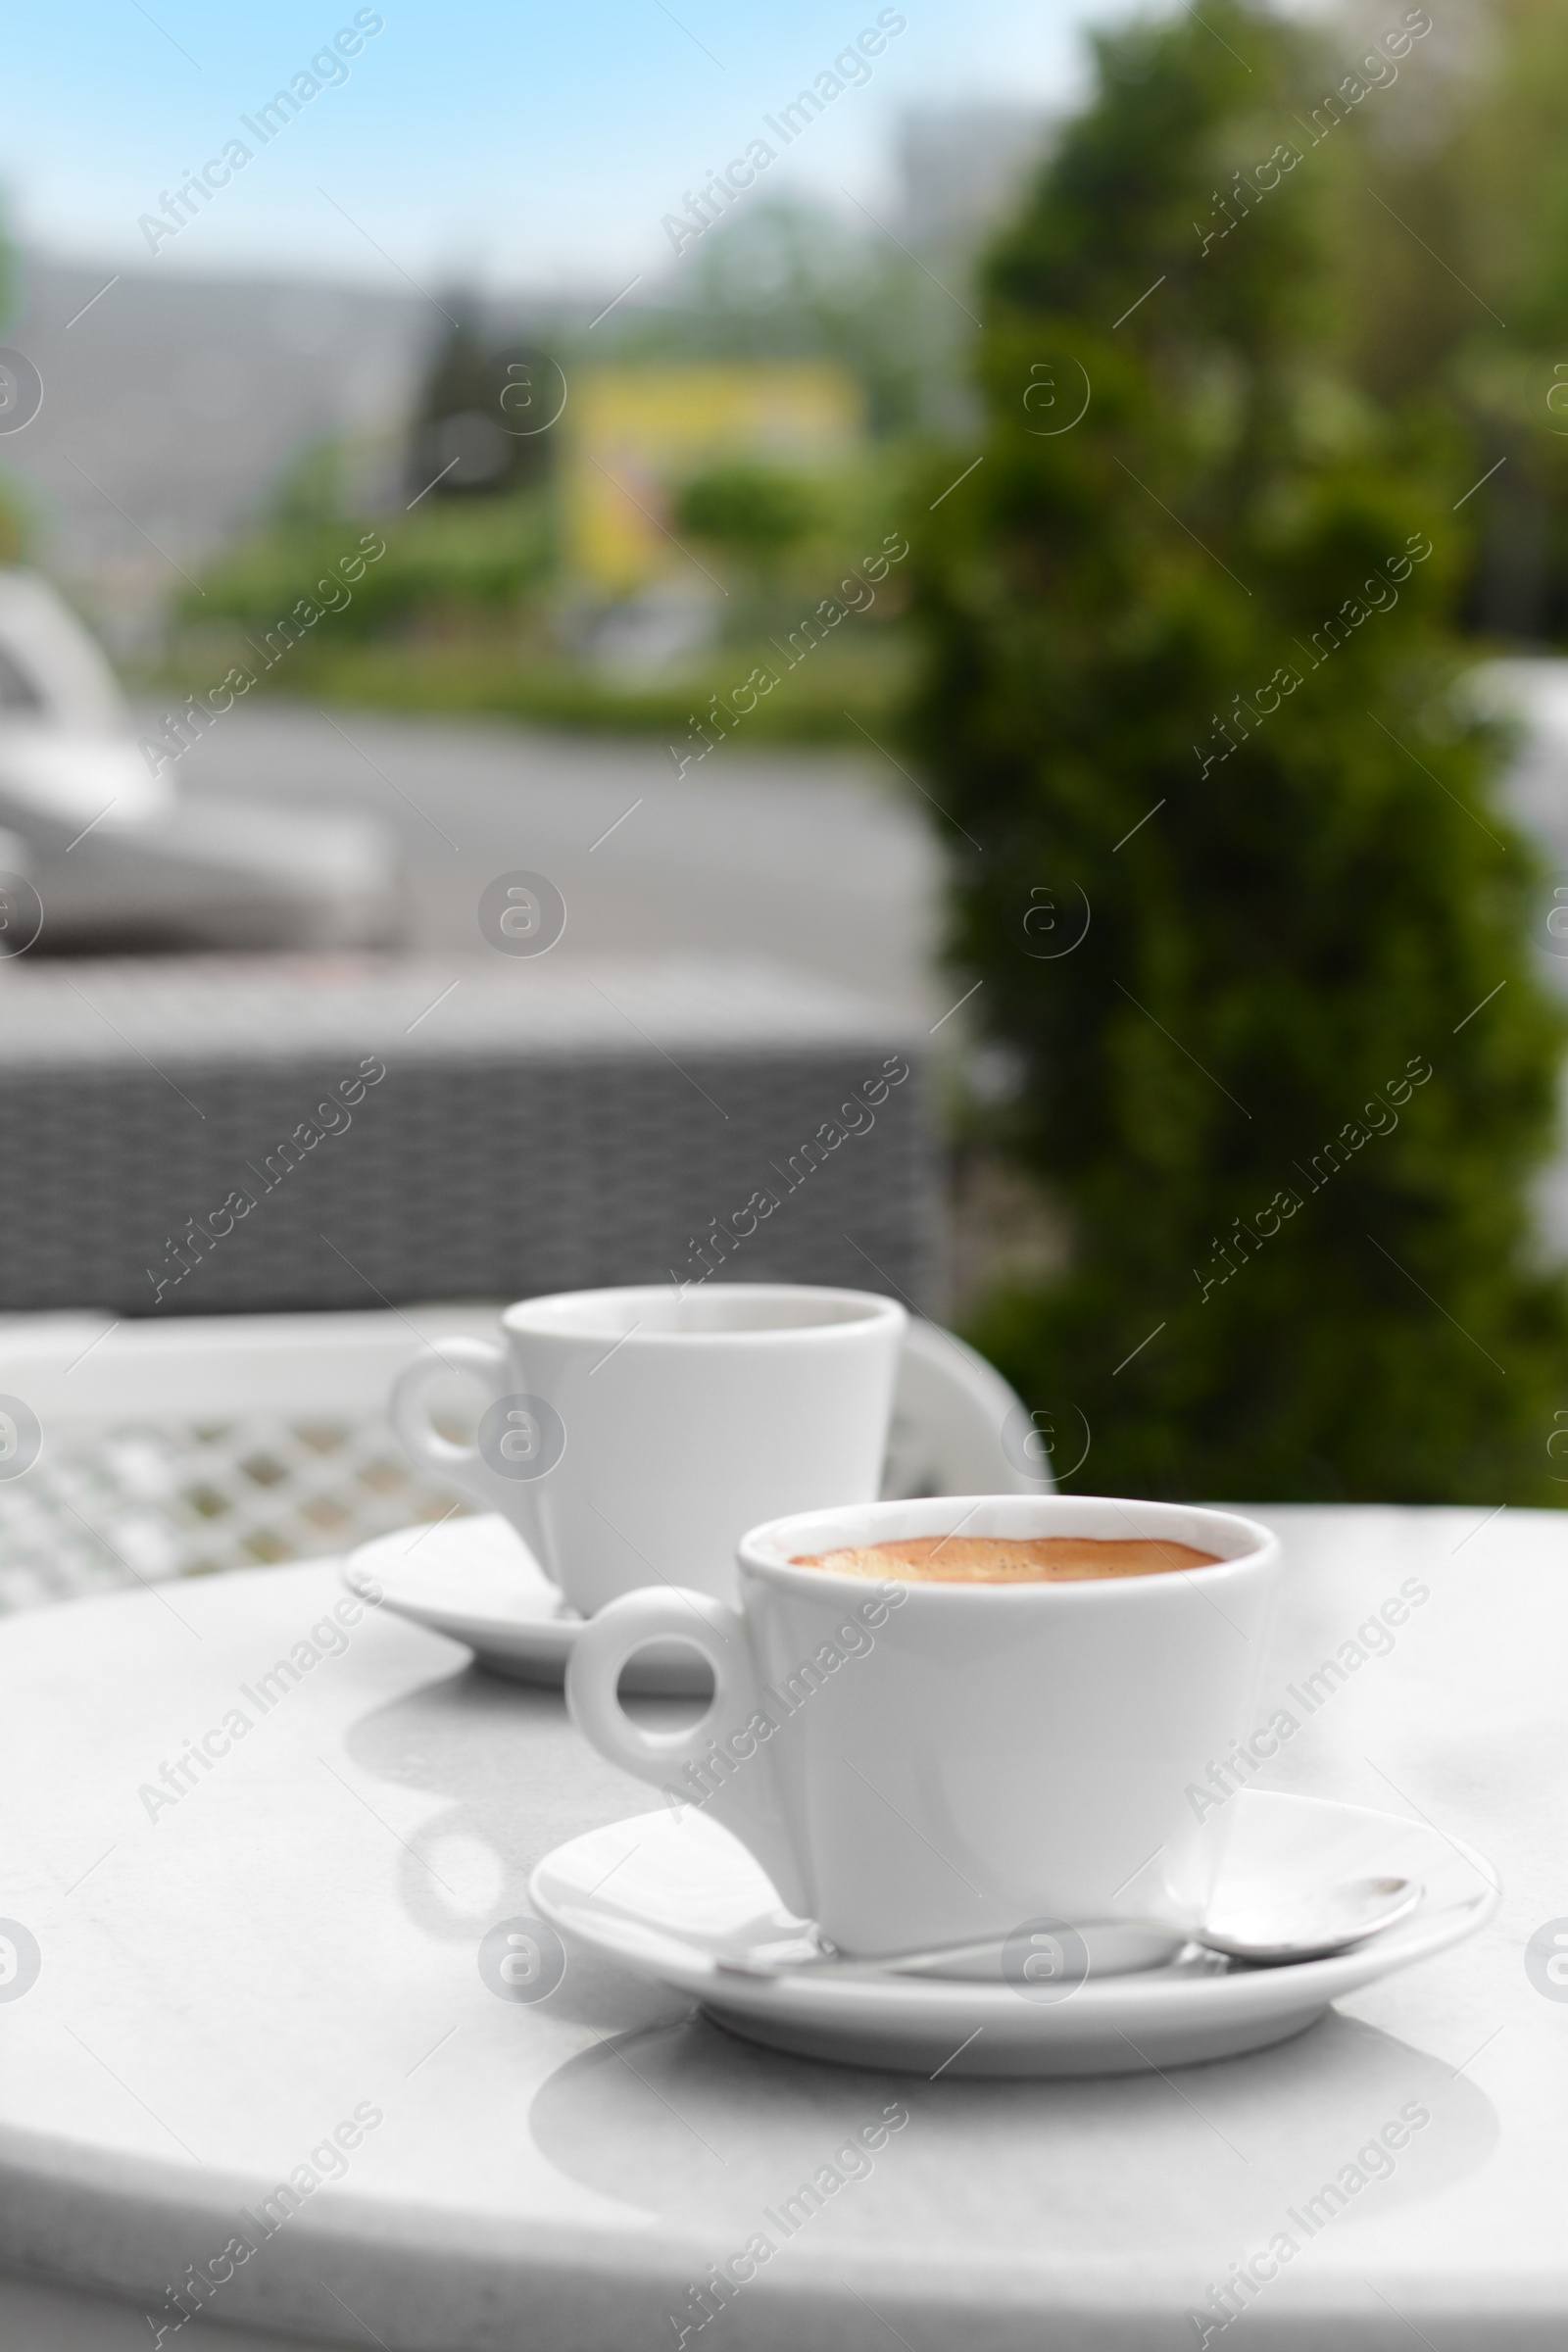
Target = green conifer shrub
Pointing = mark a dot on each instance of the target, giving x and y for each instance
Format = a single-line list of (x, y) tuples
[(1249, 924)]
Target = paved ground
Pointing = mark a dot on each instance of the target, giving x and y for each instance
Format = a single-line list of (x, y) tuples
[(806, 858)]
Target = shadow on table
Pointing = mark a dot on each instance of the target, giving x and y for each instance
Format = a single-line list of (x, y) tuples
[(687, 2122), (472, 1738)]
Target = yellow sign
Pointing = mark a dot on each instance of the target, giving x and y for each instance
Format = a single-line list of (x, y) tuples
[(636, 434)]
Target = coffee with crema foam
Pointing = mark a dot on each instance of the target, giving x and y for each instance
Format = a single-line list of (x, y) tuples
[(1010, 1559)]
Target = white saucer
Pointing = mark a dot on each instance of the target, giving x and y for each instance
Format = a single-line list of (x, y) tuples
[(664, 1892), (475, 1580)]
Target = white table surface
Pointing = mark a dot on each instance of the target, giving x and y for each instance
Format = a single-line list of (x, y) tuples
[(223, 1985)]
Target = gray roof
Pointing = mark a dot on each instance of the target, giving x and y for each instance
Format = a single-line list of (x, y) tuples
[(172, 402)]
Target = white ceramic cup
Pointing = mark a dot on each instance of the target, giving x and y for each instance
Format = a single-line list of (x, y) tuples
[(924, 1764), (636, 1434)]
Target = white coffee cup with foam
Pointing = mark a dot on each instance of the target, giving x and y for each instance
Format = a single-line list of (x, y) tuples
[(929, 1764)]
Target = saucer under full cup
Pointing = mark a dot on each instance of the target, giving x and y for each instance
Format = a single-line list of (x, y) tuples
[(669, 1896), (474, 1580)]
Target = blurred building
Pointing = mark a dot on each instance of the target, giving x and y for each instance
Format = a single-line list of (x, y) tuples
[(634, 435), (961, 168), (173, 404)]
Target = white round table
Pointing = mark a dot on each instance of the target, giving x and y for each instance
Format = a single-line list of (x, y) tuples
[(271, 1978)]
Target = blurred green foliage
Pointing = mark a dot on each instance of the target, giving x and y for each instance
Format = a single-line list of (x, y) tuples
[(16, 521), (1453, 247), (475, 431), (758, 511), (470, 670), (443, 560), (464, 610), (15, 524), (1252, 934)]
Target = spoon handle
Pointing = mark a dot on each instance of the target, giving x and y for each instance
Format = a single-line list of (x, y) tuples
[(746, 1964), (1399, 1897)]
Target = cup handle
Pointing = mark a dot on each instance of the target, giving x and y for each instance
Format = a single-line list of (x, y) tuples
[(718, 1765), (959, 1428), (457, 1466)]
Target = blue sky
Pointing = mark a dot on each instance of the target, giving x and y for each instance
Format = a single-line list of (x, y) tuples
[(523, 146)]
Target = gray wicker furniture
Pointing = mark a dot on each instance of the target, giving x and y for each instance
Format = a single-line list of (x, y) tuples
[(200, 1136)]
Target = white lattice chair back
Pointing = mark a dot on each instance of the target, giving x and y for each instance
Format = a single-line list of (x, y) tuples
[(203, 1442), (176, 1448)]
